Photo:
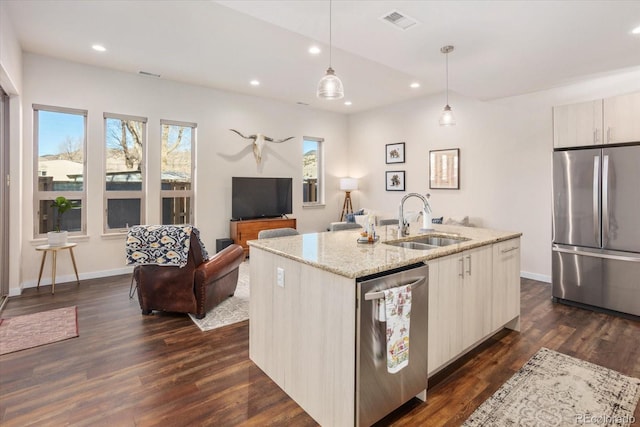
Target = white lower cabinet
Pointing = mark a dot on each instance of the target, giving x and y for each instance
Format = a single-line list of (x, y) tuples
[(476, 295), (472, 295), (505, 300), (445, 323), (302, 333)]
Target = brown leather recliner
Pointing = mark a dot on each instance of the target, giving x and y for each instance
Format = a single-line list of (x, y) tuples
[(195, 288)]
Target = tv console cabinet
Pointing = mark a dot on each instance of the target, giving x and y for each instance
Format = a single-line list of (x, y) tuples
[(241, 231)]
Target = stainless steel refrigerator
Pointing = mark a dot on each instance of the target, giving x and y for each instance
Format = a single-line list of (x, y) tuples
[(596, 227)]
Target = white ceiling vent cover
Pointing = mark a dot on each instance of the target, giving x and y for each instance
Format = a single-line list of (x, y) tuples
[(148, 74), (399, 20)]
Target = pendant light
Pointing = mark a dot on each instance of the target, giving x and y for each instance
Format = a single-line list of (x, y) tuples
[(330, 86), (447, 118)]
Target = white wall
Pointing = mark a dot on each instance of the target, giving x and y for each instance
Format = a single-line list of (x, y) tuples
[(505, 158), (505, 155), (11, 82), (221, 154), (10, 55)]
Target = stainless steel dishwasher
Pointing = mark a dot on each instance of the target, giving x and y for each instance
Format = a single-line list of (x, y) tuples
[(378, 392)]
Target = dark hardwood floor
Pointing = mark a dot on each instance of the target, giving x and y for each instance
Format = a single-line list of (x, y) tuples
[(126, 369)]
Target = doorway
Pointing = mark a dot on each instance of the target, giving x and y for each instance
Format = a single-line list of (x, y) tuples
[(4, 196)]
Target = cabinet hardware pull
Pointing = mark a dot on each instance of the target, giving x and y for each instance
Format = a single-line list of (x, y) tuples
[(595, 136), (504, 251), (380, 294), (469, 270), (461, 274)]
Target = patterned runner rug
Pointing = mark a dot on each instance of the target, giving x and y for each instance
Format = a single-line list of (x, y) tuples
[(32, 330), (231, 310), (553, 389)]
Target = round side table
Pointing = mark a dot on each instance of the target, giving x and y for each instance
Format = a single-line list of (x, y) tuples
[(54, 250)]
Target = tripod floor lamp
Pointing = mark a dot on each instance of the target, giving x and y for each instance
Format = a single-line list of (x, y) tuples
[(347, 185)]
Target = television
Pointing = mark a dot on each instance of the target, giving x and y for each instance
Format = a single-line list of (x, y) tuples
[(253, 197)]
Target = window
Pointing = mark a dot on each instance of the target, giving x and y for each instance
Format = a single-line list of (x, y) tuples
[(124, 171), (176, 171), (60, 144), (312, 171)]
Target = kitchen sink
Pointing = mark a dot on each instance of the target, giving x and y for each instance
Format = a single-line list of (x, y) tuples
[(412, 245), (438, 240), (426, 243)]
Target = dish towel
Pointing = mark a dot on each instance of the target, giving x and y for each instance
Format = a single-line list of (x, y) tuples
[(397, 303)]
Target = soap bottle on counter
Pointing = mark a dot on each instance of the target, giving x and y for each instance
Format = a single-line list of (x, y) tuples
[(371, 231)]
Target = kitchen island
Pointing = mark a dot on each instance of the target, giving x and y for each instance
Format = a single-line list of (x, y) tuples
[(304, 304)]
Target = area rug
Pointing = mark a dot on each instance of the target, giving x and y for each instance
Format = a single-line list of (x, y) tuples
[(553, 389), (231, 310), (32, 330)]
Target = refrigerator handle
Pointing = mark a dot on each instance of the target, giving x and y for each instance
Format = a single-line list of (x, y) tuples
[(629, 258), (605, 199), (596, 175)]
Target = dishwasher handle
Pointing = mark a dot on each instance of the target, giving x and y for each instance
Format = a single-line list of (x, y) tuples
[(380, 294)]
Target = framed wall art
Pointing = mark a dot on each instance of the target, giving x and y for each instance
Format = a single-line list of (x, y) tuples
[(395, 180), (394, 153), (444, 169)]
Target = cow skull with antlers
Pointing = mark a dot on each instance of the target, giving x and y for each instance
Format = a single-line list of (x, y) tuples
[(258, 142)]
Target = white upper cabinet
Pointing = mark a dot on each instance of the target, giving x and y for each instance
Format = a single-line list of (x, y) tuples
[(577, 124), (604, 121), (622, 118)]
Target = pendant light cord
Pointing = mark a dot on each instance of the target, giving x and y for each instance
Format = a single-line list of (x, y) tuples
[(330, 44), (447, 67)]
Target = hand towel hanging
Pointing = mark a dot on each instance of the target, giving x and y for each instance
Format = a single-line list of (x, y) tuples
[(397, 303)]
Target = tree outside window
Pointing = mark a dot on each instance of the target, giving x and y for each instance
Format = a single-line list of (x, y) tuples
[(176, 169), (60, 144), (124, 171)]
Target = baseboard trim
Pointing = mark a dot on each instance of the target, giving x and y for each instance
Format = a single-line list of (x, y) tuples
[(535, 276), (70, 278)]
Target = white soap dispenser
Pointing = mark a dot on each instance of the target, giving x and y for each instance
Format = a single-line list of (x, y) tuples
[(427, 218)]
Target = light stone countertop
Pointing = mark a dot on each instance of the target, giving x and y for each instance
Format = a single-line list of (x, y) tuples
[(340, 253)]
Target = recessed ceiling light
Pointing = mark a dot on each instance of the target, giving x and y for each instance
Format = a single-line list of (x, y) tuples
[(636, 30), (99, 48), (314, 50), (254, 83), (347, 103), (414, 85)]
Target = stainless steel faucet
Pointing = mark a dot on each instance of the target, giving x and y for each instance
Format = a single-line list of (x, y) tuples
[(403, 225)]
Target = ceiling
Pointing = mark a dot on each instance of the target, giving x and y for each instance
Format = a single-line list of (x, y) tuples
[(502, 48)]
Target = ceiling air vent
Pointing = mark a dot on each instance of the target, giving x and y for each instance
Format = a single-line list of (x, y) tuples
[(399, 20), (148, 74)]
